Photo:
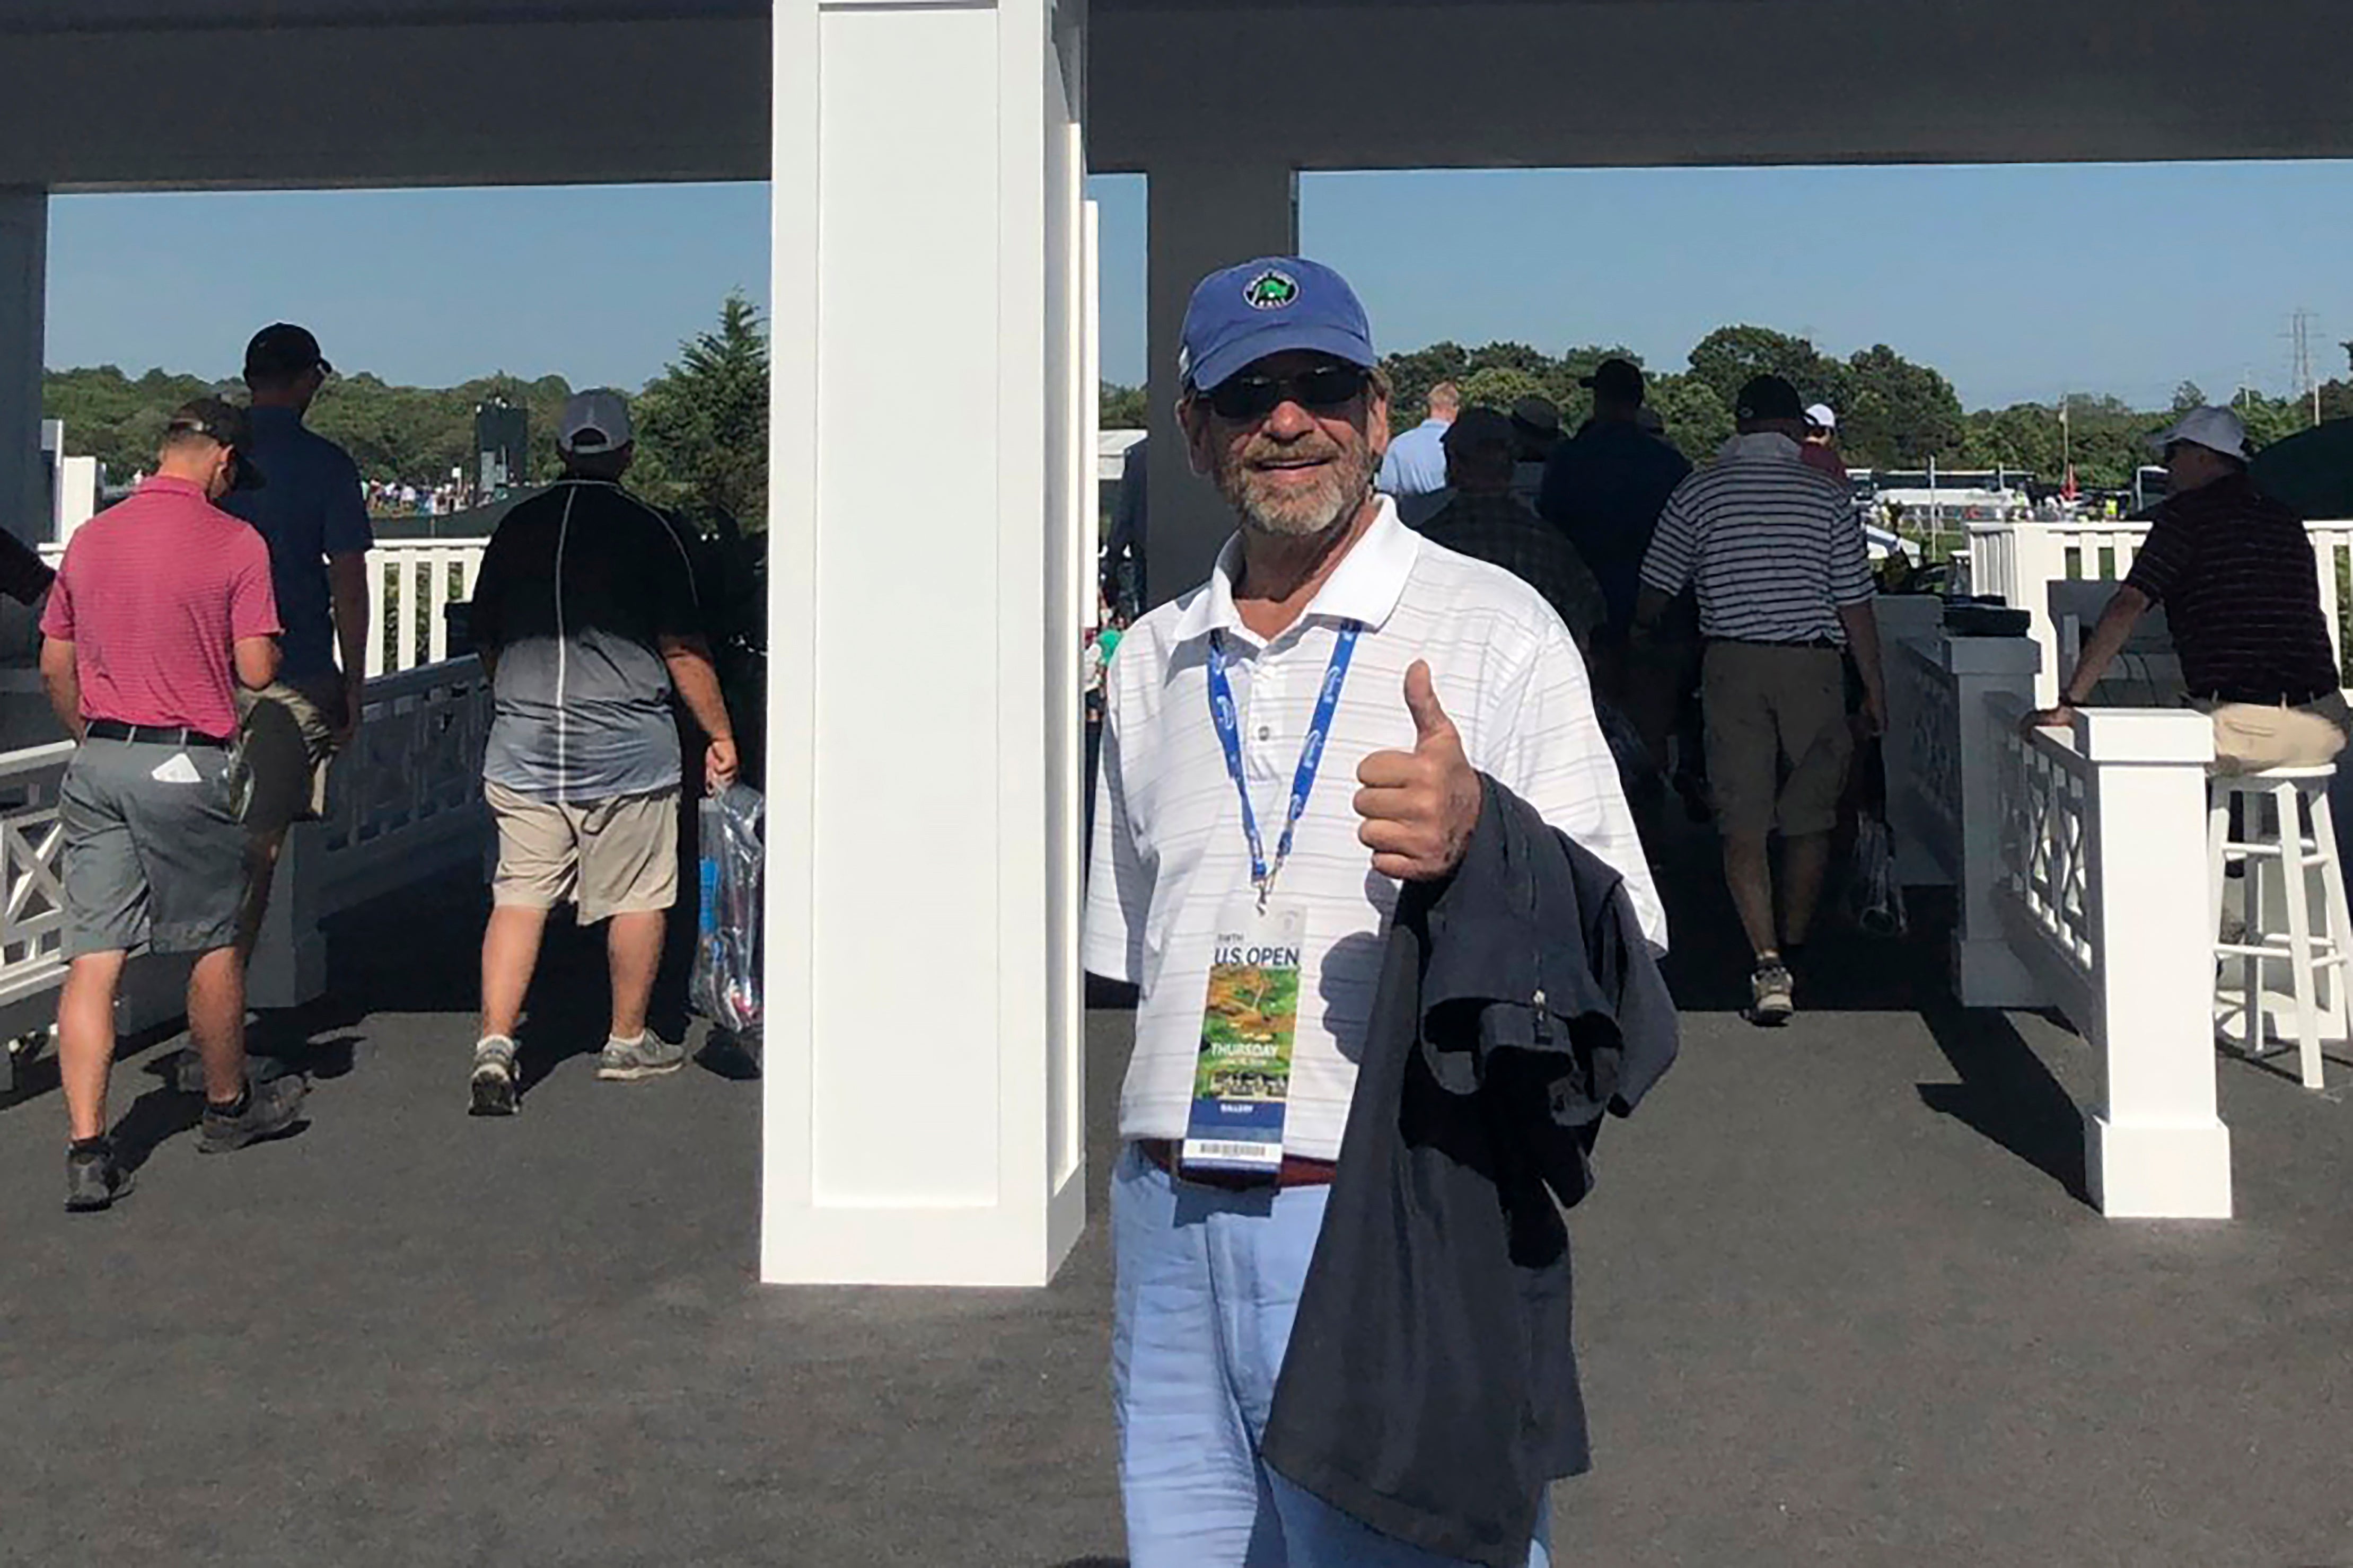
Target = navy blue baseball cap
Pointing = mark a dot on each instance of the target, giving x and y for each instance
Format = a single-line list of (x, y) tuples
[(1271, 306)]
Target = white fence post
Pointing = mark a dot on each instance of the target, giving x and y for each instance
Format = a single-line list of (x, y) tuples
[(1987, 972), (2038, 557), (2154, 1145), (1910, 626), (290, 959)]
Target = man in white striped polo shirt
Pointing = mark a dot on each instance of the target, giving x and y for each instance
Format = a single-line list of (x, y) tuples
[(1310, 724), (1784, 580)]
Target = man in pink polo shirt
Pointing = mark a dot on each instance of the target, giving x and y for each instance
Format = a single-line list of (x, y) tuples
[(162, 609)]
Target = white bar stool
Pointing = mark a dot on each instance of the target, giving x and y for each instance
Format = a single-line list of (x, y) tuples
[(2296, 798)]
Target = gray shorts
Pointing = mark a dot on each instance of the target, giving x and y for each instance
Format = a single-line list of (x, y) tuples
[(151, 862)]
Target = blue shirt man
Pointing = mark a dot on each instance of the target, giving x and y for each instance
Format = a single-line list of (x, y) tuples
[(313, 517), (1606, 488), (312, 511), (1416, 462)]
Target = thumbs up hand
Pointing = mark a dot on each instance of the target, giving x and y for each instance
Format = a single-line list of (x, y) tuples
[(1419, 806)]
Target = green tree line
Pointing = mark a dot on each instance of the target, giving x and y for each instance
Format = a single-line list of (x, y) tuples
[(1894, 412), (702, 424)]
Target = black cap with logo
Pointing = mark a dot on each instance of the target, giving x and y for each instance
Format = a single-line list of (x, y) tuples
[(281, 352), (225, 423)]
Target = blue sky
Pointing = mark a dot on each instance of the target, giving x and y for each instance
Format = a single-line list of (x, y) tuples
[(2017, 283)]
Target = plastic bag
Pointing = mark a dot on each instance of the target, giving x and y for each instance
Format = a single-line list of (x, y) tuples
[(1638, 775), (1874, 896), (725, 987)]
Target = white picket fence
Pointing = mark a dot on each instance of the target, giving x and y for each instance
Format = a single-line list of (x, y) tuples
[(2078, 861), (2020, 561), (409, 583), (406, 804)]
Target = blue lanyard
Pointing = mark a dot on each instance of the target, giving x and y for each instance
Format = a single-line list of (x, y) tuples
[(1228, 721)]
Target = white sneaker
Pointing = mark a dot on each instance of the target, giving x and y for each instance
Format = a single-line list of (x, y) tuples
[(648, 1055)]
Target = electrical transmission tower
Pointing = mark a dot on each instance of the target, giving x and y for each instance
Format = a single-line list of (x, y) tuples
[(2308, 385)]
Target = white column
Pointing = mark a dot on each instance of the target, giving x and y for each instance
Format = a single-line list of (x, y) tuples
[(921, 1102), (1986, 970), (2154, 1146), (24, 284), (1203, 212)]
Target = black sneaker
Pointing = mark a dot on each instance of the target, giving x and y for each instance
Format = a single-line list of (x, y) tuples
[(271, 1108), (495, 1082), (93, 1181)]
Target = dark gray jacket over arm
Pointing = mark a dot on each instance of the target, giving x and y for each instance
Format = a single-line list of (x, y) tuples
[(1431, 1387)]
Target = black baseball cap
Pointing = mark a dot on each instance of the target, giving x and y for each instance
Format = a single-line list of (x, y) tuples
[(225, 423), (282, 352), (1478, 426), (1619, 380), (1536, 416), (1770, 398)]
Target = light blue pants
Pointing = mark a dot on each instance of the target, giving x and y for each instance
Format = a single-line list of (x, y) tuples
[(1209, 1281)]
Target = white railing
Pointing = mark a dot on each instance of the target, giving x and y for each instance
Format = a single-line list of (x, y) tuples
[(2098, 882), (2078, 863), (409, 582), (406, 804), (2019, 561), (1943, 789), (32, 922)]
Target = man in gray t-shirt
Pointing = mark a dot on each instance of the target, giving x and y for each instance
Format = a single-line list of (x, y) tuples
[(584, 616)]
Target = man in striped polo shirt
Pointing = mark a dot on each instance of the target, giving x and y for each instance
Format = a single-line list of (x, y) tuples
[(2233, 569), (1777, 555)]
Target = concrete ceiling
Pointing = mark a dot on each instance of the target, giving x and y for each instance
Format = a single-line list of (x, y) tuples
[(112, 93)]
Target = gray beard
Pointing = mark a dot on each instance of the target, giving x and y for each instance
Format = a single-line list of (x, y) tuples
[(1298, 523)]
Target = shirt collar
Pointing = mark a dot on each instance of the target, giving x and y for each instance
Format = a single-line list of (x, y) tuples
[(173, 485), (1768, 444), (1363, 588)]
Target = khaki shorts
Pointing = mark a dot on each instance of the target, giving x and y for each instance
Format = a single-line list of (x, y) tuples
[(289, 733), (616, 856), (2250, 737), (1777, 738)]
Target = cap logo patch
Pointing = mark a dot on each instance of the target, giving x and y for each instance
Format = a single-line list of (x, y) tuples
[(1272, 289)]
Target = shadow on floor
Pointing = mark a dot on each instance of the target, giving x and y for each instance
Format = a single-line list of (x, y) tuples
[(2007, 1094)]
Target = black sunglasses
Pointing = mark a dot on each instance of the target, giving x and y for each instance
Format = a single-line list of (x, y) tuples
[(1244, 397)]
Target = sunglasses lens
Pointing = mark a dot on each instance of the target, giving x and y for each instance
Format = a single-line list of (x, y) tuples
[(1329, 387), (1255, 397), (1245, 397)]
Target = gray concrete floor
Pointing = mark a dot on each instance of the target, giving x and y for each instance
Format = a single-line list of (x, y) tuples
[(1839, 1301)]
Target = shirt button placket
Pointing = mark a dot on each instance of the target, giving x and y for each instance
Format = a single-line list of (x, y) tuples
[(1266, 703)]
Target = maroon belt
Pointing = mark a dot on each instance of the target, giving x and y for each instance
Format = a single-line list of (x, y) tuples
[(1298, 1170)]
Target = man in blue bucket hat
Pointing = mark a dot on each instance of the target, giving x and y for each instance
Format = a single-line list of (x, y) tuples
[(1285, 747)]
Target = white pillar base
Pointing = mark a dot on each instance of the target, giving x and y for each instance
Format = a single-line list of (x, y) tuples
[(2157, 1171), (1987, 974), (290, 959)]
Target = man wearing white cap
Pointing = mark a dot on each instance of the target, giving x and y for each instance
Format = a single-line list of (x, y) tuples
[(584, 616), (2233, 570), (1819, 449)]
